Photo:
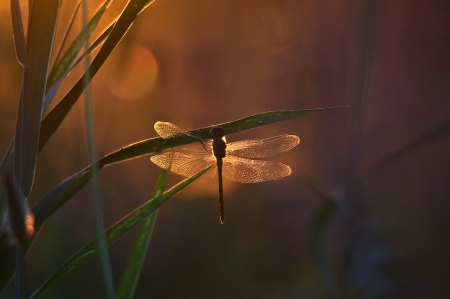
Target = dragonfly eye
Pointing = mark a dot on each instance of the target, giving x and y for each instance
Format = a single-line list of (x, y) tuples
[(217, 132)]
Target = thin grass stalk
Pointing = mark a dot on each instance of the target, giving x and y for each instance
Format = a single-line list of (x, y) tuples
[(19, 279), (104, 256), (65, 35), (130, 275)]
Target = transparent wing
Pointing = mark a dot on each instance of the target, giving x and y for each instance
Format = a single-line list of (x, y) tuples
[(166, 130), (244, 170), (262, 148), (184, 163), (197, 148)]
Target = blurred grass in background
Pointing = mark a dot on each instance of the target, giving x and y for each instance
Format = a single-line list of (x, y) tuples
[(204, 62)]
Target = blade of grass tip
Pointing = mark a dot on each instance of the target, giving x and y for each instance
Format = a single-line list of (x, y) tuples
[(41, 33), (65, 35), (77, 45), (55, 117), (318, 234), (114, 232), (130, 275), (104, 255), (19, 34)]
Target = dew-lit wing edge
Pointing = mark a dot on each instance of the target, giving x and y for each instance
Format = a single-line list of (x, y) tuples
[(262, 148), (185, 164), (253, 171), (166, 129)]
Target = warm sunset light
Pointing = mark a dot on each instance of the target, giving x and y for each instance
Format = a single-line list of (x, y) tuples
[(95, 204), (131, 74)]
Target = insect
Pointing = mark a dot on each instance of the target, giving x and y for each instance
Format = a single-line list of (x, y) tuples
[(235, 160)]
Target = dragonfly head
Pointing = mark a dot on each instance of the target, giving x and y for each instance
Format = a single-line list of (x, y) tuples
[(217, 132)]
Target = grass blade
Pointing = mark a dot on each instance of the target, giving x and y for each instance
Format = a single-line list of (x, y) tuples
[(19, 283), (54, 119), (114, 232), (71, 54), (407, 145), (65, 35), (54, 88), (90, 132), (130, 275), (157, 144), (365, 62), (6, 163), (40, 42), (318, 233), (19, 34), (364, 73), (43, 211)]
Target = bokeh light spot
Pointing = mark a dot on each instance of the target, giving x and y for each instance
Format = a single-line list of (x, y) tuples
[(130, 77)]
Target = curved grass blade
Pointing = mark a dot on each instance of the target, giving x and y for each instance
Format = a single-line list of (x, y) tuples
[(71, 54), (55, 117), (43, 211), (114, 232), (19, 34), (41, 35), (158, 144), (130, 275)]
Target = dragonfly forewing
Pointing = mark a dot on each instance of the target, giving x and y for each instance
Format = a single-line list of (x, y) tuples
[(244, 170), (262, 148), (167, 130)]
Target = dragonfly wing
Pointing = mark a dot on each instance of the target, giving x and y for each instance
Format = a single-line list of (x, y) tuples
[(197, 148), (185, 164), (244, 170), (166, 129), (262, 148)]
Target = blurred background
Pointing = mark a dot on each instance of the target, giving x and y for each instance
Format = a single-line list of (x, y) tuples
[(203, 62)]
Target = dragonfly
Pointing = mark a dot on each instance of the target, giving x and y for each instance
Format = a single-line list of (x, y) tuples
[(236, 161)]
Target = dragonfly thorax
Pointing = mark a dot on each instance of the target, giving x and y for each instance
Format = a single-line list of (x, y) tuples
[(219, 145), (217, 132)]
